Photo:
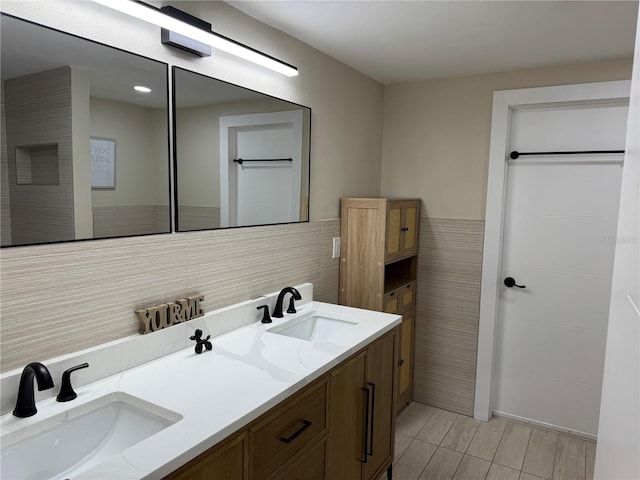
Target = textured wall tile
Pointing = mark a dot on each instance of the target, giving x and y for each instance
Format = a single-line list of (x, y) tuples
[(449, 275), (126, 220), (57, 299), (62, 298)]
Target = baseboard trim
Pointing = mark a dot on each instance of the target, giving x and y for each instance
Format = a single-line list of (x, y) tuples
[(547, 426)]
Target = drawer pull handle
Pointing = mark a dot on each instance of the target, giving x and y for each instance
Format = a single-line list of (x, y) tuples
[(365, 437), (372, 416), (401, 362), (305, 424)]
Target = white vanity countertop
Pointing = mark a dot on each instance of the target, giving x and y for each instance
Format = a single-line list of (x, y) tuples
[(217, 392)]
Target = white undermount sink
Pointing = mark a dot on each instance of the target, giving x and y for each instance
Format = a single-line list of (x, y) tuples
[(73, 441), (313, 328)]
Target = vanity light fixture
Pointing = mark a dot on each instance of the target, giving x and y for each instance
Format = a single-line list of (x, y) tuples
[(142, 89), (154, 16)]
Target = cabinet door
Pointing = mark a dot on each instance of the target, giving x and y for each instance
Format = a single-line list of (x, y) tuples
[(362, 255), (345, 445), (405, 359), (402, 229), (393, 244), (381, 361), (410, 222), (228, 461)]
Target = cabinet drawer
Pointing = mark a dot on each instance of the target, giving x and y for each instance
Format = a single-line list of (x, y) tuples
[(226, 460), (288, 430), (310, 466), (401, 299)]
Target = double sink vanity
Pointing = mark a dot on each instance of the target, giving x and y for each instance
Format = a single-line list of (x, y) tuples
[(310, 395)]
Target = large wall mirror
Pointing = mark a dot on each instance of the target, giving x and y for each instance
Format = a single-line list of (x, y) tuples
[(242, 157), (84, 155)]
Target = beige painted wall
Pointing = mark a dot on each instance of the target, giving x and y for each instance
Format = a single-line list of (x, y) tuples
[(160, 149), (132, 127), (436, 134)]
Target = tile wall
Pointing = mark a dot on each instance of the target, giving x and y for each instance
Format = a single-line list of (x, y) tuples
[(62, 298), (449, 275)]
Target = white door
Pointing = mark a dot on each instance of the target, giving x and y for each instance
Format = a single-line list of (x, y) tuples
[(260, 179), (559, 238)]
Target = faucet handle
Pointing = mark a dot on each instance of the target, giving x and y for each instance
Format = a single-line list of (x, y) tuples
[(292, 307), (66, 390), (266, 318)]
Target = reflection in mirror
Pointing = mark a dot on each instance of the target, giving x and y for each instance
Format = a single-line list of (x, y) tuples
[(242, 157), (84, 155)]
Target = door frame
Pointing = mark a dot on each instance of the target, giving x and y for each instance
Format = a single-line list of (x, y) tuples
[(227, 171), (504, 102)]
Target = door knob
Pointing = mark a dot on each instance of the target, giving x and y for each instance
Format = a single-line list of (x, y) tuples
[(511, 282)]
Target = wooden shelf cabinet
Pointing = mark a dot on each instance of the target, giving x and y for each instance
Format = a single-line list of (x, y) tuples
[(378, 268)]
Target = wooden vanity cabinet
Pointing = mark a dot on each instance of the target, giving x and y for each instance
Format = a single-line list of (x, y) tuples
[(228, 460), (341, 426), (310, 465), (361, 413), (379, 266), (287, 430)]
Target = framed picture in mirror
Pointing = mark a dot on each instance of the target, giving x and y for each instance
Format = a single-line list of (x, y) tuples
[(103, 162)]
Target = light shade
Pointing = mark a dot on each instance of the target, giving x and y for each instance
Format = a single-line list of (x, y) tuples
[(154, 16)]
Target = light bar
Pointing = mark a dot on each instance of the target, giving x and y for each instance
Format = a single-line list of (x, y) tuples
[(154, 16)]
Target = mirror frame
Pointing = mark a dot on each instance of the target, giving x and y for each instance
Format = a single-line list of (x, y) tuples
[(176, 214), (170, 204)]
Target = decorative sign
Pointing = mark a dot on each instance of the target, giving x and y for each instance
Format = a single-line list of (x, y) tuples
[(164, 315), (103, 162)]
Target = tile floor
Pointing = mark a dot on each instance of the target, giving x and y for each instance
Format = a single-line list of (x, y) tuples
[(434, 444)]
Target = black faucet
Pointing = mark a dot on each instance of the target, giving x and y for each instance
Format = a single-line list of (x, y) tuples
[(26, 404), (277, 312)]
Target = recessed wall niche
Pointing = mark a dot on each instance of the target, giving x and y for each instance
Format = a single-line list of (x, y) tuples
[(37, 165)]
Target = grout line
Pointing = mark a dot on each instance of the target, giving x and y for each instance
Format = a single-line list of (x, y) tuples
[(499, 442), (555, 458), (458, 467), (427, 464), (449, 429), (526, 449)]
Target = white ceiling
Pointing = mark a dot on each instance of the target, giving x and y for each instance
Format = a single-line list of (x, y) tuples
[(405, 41)]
